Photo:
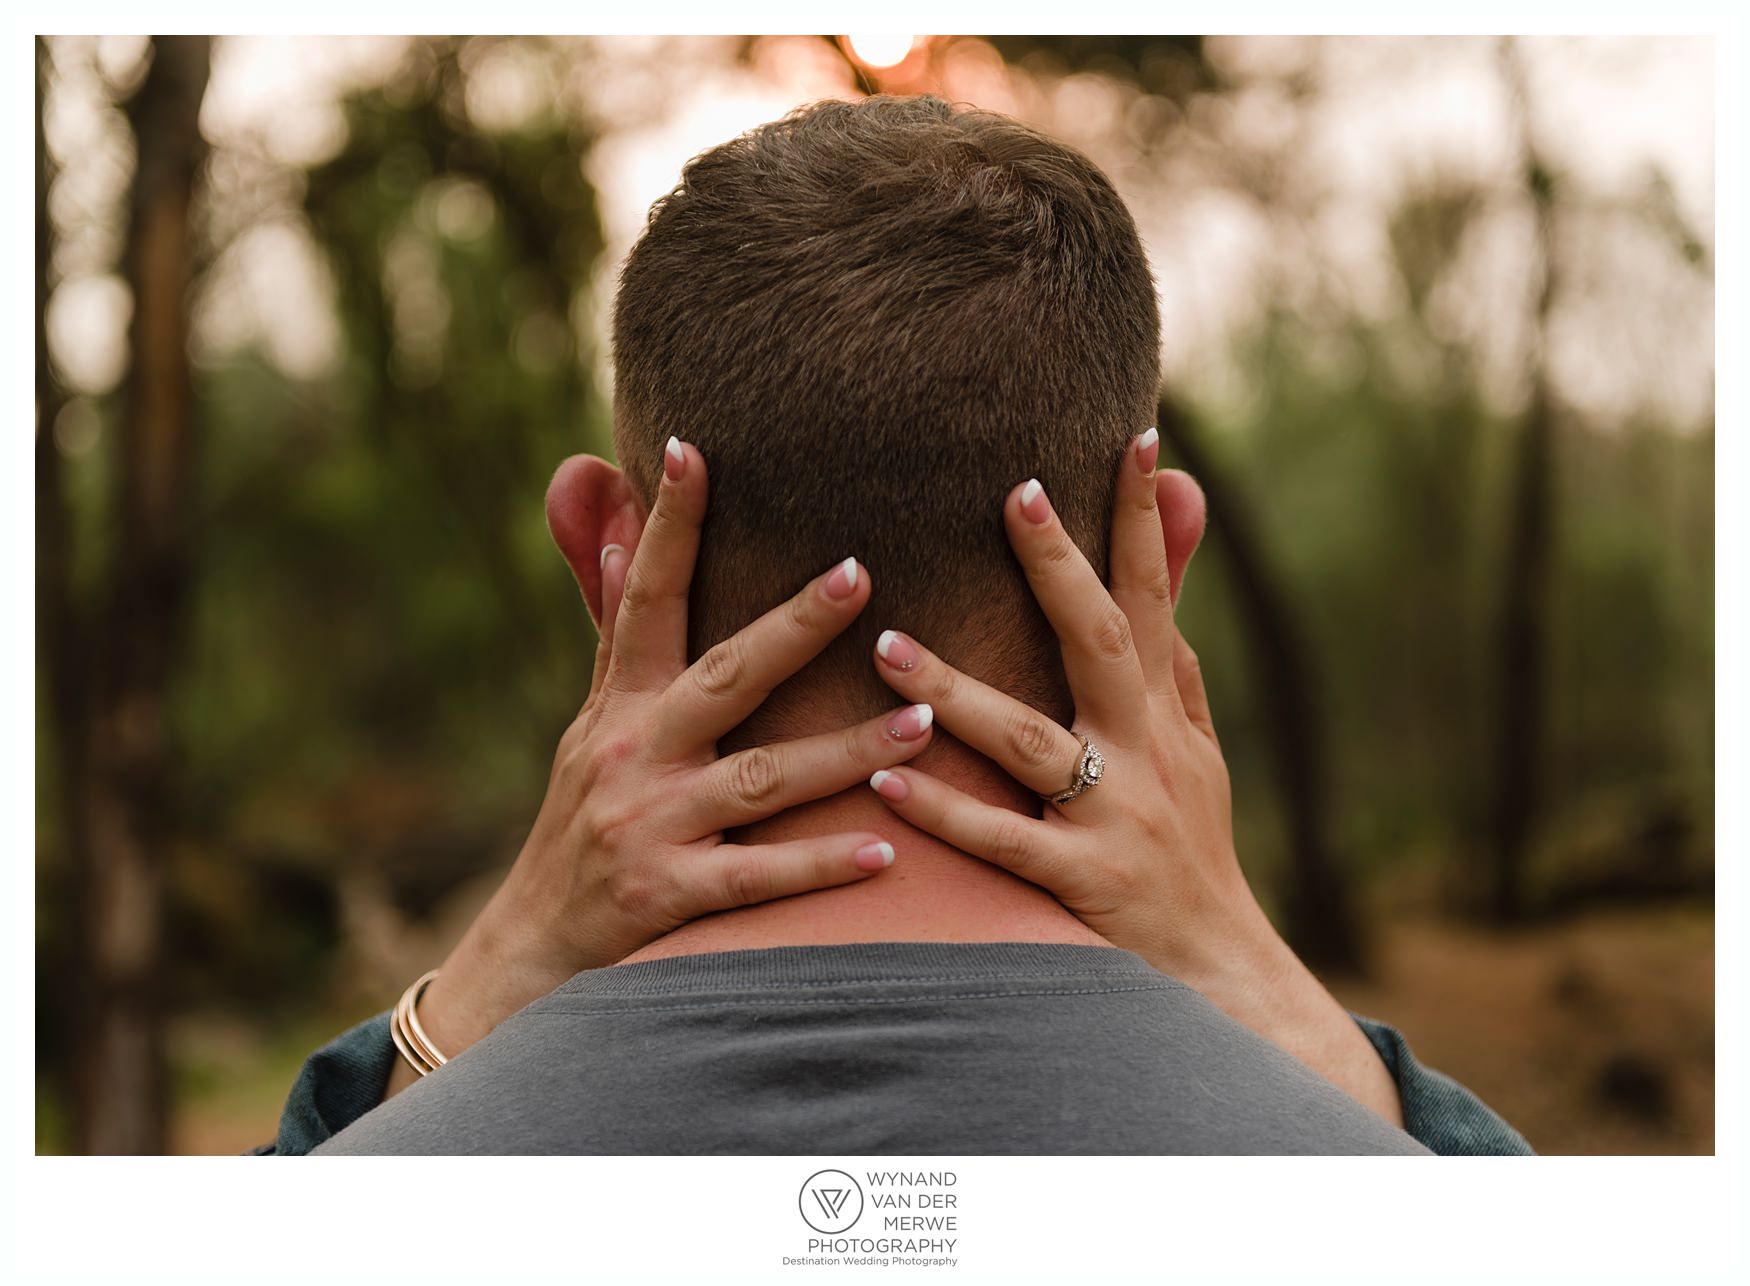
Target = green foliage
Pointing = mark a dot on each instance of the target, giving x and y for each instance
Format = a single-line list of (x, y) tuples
[(384, 647), (1384, 515)]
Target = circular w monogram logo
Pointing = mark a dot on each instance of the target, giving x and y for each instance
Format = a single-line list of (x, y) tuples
[(831, 1201)]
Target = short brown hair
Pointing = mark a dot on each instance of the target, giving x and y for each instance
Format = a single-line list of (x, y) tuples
[(873, 318)]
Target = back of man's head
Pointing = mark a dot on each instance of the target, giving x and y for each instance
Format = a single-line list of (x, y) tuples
[(873, 319)]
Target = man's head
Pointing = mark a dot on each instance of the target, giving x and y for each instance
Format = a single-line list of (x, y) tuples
[(873, 319)]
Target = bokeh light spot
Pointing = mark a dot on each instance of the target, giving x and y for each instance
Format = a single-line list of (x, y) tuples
[(880, 51)]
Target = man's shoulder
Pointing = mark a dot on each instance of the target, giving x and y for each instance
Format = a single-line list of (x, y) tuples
[(875, 1048)]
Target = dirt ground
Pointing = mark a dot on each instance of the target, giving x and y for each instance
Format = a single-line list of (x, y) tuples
[(1594, 1035)]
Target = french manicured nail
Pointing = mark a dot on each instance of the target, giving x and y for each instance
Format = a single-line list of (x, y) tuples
[(895, 649), (1148, 451), (1034, 504), (890, 786), (674, 459), (610, 549), (911, 723), (872, 857), (841, 582)]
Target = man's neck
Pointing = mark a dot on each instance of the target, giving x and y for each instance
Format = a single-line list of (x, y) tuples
[(932, 892)]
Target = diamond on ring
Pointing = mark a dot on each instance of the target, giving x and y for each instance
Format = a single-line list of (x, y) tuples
[(1090, 767)]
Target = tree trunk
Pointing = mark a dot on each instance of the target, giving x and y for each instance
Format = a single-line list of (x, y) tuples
[(57, 638), (127, 781), (1525, 573), (1319, 917), (52, 565)]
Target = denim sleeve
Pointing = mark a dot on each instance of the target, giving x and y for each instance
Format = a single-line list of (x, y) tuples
[(1439, 1113), (338, 1084)]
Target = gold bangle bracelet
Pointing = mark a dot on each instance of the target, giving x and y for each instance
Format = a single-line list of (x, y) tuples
[(405, 1030), (414, 1061), (403, 1042), (421, 1041)]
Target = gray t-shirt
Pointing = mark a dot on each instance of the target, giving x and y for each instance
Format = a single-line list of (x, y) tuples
[(874, 1048)]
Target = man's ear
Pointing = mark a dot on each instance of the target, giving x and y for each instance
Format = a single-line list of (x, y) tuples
[(1183, 512), (590, 505)]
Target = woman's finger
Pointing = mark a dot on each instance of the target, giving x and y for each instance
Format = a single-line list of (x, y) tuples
[(651, 635), (1141, 585), (733, 875), (615, 564), (1031, 747), (730, 681), (1099, 657), (752, 784), (1023, 845), (1188, 673)]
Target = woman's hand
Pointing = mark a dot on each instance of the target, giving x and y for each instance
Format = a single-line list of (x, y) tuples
[(1146, 858), (629, 840)]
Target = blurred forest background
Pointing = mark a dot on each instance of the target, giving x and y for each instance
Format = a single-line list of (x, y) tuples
[(319, 317)]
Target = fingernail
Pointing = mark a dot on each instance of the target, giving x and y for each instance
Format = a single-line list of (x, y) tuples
[(842, 581), (872, 857), (895, 649), (1148, 451), (674, 459), (890, 786), (1034, 504), (610, 549), (911, 723)]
